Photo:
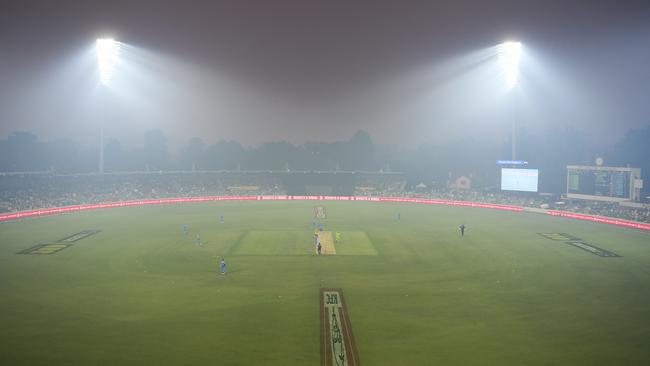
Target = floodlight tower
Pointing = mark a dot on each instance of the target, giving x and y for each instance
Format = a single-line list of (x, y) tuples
[(509, 54), (107, 50)]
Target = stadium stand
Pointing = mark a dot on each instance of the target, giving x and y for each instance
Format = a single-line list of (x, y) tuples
[(22, 192)]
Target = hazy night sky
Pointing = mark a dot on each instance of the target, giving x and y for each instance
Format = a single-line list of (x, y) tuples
[(406, 72)]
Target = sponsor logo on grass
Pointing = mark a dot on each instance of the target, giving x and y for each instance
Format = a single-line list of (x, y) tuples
[(45, 248), (579, 243), (337, 342), (78, 236), (593, 249), (559, 236), (51, 248)]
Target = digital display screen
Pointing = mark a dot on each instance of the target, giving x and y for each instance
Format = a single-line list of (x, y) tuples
[(524, 180)]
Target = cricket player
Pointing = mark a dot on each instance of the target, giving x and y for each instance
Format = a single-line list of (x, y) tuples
[(223, 266), (322, 227), (186, 229), (320, 247), (462, 229), (197, 241), (399, 216), (221, 219)]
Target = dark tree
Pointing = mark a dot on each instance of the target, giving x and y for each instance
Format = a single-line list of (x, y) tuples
[(193, 155), (155, 149)]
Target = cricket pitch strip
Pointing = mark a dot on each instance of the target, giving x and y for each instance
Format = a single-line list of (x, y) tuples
[(337, 346), (326, 242)]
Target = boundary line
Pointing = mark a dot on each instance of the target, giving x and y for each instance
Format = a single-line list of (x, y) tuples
[(58, 210)]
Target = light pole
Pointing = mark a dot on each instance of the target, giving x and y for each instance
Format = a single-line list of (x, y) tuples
[(509, 54), (107, 50)]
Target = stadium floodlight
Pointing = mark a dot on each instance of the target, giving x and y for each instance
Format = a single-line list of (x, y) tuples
[(509, 54), (107, 53)]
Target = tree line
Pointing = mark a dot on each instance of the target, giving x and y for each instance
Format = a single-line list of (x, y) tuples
[(428, 163)]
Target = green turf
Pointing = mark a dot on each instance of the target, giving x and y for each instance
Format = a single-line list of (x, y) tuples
[(355, 243), (142, 293), (274, 242)]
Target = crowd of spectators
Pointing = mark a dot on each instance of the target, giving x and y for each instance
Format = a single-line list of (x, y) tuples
[(609, 209), (22, 192), (389, 184), (524, 200), (530, 200)]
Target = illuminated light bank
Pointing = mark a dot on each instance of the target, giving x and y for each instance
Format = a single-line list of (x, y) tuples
[(107, 53), (509, 54)]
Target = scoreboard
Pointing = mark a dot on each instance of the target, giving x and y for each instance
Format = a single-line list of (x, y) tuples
[(603, 183), (599, 183)]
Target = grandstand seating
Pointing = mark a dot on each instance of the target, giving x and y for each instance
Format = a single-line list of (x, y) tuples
[(22, 192)]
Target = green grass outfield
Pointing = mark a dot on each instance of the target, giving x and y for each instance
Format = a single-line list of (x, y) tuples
[(141, 293)]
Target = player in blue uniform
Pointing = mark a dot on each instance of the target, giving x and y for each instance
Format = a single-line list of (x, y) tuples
[(186, 229), (399, 216), (223, 266), (462, 229), (221, 219)]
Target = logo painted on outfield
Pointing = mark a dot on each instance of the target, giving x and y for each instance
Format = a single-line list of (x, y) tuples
[(337, 341), (579, 243), (593, 249), (45, 248), (78, 236), (559, 236)]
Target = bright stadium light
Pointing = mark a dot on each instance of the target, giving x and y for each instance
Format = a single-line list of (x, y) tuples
[(509, 54), (107, 52)]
